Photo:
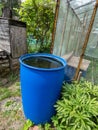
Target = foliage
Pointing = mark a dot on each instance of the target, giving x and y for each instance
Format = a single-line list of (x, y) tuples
[(78, 107), (46, 126), (13, 76), (1, 6), (4, 93), (27, 125), (45, 48), (7, 92), (39, 16), (32, 48)]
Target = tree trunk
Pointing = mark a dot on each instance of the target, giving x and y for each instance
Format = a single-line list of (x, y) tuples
[(6, 12)]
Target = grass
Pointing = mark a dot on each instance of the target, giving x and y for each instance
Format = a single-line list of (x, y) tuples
[(6, 92), (11, 114)]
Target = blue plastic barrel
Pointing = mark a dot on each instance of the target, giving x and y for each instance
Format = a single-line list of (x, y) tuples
[(40, 88)]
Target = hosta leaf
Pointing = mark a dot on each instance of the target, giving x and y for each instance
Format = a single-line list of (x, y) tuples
[(78, 107)]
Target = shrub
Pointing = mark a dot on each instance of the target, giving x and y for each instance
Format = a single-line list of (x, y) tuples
[(39, 17), (78, 107)]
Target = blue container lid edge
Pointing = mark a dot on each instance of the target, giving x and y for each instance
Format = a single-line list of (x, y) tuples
[(45, 55)]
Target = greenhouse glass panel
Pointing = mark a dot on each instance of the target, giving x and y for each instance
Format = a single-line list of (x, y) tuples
[(66, 37), (62, 16), (67, 31), (74, 20)]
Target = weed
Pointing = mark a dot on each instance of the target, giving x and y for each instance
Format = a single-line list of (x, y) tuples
[(5, 93), (13, 77), (8, 103), (27, 124)]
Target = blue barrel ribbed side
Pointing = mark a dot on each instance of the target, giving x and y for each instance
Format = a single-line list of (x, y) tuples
[(40, 89)]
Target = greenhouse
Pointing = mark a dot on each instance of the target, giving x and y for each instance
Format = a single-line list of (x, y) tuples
[(72, 25)]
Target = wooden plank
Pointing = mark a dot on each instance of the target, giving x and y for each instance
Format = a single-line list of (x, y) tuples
[(14, 63), (3, 21), (13, 37), (68, 56), (4, 36), (73, 62), (6, 12), (55, 24), (18, 41), (5, 47), (17, 23), (86, 39)]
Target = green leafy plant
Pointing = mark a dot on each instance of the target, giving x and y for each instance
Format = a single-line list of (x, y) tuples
[(13, 77), (45, 48), (46, 126), (8, 103), (28, 124), (1, 6), (5, 93), (78, 107), (39, 17)]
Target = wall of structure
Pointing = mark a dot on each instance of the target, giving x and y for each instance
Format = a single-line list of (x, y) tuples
[(4, 63), (12, 43), (68, 30)]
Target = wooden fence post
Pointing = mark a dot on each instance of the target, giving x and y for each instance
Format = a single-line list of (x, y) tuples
[(55, 24), (86, 40)]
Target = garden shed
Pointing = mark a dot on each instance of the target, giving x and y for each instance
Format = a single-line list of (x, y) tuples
[(12, 43)]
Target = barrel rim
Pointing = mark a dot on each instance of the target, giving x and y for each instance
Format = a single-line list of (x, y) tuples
[(64, 63)]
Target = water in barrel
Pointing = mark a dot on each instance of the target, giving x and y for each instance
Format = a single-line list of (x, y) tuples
[(42, 62)]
